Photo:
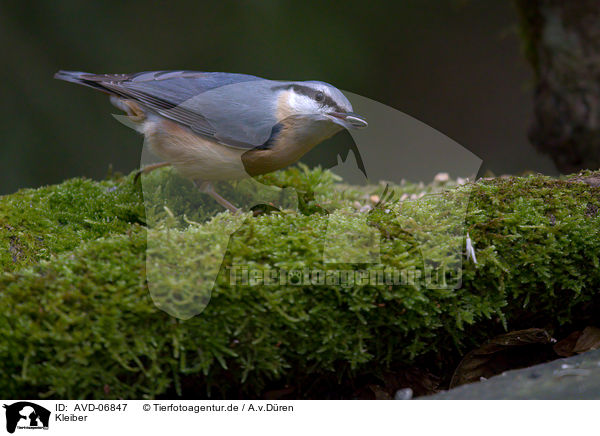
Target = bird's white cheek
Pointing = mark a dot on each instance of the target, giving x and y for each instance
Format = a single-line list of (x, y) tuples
[(301, 104)]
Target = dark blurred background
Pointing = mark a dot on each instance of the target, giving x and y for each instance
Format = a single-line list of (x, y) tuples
[(455, 65)]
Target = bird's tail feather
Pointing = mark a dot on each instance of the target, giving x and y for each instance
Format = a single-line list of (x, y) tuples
[(80, 78)]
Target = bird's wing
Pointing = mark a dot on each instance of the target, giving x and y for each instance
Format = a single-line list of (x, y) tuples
[(234, 109)]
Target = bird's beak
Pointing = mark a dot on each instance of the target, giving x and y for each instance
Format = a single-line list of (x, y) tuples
[(348, 120)]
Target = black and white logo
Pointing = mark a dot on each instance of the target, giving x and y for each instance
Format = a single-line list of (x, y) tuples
[(26, 415)]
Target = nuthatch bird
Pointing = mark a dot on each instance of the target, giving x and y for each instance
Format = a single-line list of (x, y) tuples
[(223, 126)]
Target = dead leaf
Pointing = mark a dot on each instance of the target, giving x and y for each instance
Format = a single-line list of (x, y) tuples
[(564, 348), (589, 340), (512, 350), (579, 342)]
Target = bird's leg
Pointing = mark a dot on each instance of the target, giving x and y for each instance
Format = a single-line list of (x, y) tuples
[(207, 188), (149, 168)]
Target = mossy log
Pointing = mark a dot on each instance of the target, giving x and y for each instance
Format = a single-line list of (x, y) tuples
[(77, 320)]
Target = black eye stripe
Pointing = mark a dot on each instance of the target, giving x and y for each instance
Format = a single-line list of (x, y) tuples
[(304, 90), (328, 101), (311, 93)]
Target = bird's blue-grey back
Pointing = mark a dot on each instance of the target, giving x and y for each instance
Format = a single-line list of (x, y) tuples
[(234, 109), (243, 114)]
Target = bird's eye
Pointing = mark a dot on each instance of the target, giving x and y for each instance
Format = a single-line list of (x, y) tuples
[(319, 96)]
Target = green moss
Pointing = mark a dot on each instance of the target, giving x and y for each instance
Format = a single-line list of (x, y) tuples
[(78, 320), (36, 223)]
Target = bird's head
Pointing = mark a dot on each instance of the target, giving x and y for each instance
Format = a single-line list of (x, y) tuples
[(318, 102)]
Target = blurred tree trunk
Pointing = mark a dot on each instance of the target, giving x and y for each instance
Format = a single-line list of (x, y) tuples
[(562, 43)]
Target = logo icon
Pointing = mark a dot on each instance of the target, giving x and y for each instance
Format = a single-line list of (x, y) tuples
[(26, 415)]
